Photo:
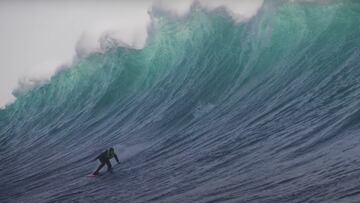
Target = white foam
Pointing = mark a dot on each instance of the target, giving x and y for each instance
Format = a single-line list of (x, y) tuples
[(177, 8), (240, 10)]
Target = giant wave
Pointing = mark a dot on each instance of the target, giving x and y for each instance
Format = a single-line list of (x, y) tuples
[(208, 111)]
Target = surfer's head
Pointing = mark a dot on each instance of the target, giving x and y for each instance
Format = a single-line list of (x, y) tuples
[(111, 150)]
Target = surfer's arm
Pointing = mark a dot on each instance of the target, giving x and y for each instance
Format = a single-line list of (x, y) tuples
[(117, 160), (97, 157)]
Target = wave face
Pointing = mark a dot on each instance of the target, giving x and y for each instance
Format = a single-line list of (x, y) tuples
[(208, 111)]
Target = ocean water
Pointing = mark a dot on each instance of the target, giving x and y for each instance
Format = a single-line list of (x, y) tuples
[(266, 110)]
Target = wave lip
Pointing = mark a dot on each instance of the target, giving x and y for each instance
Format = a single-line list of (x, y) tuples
[(99, 27)]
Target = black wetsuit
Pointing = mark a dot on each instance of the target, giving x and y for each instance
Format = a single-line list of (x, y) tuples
[(104, 158)]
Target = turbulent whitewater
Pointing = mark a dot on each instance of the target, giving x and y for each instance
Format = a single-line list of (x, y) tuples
[(210, 110)]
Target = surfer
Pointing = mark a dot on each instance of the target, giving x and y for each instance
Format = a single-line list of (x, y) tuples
[(104, 158)]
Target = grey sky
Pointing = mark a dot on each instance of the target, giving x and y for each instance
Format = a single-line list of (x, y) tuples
[(38, 36)]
